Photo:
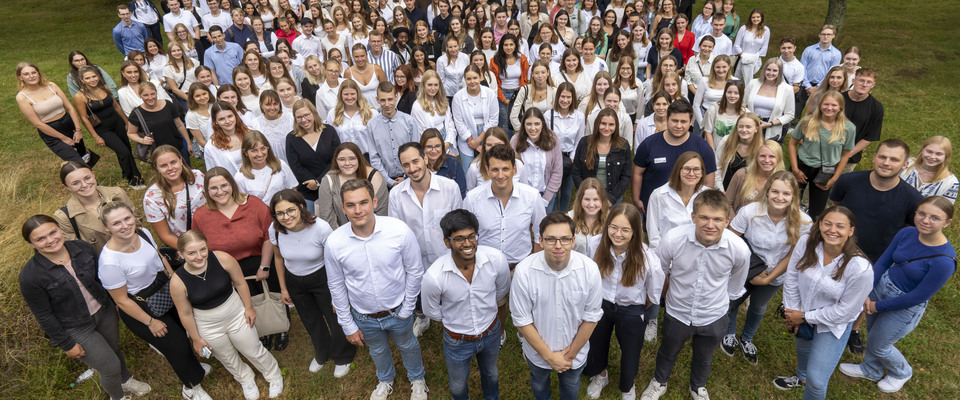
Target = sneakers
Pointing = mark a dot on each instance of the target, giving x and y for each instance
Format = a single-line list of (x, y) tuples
[(196, 393), (276, 387), (855, 343), (597, 382), (420, 325), (729, 344), (382, 391), (250, 390), (418, 390), (281, 341), (631, 395), (853, 371), (890, 384), (787, 382), (650, 334), (136, 387), (503, 337), (654, 390), (700, 394), (749, 351), (315, 366), (341, 371), (206, 369)]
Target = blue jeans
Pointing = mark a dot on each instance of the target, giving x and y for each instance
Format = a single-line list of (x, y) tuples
[(377, 333), (504, 121), (759, 297), (884, 330), (566, 190), (816, 360), (552, 204), (467, 154), (458, 353), (540, 382)]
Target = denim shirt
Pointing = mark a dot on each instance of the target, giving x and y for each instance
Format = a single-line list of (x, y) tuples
[(53, 296)]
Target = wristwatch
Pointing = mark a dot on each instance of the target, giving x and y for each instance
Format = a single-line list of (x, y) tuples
[(265, 268)]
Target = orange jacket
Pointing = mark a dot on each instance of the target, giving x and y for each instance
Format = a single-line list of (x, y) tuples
[(524, 67)]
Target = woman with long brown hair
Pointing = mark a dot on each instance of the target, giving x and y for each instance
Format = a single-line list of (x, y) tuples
[(537, 146), (224, 147), (439, 162), (261, 172), (590, 209), (604, 155), (349, 163), (171, 200)]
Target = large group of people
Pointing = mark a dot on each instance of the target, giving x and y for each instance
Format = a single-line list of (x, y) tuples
[(379, 165)]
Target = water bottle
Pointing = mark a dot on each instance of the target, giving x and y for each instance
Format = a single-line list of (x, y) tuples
[(84, 376)]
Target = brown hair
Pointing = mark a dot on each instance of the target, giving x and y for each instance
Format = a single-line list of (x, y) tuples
[(579, 216), (815, 239), (186, 174), (675, 182), (214, 172), (219, 137), (433, 133), (635, 262), (250, 139), (297, 199), (593, 141)]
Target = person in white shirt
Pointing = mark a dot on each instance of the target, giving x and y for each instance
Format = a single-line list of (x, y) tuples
[(216, 17), (555, 301), (632, 279), (569, 124), (707, 265), (177, 16), (374, 270), (388, 131), (450, 66), (670, 205), (308, 44), (475, 110), (828, 279), (752, 41), (591, 63), (462, 290), (722, 44), (262, 174)]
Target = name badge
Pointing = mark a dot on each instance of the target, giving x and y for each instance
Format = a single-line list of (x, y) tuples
[(660, 160)]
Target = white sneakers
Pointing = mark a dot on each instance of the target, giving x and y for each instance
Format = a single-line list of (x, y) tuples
[(853, 371), (206, 368), (315, 366), (650, 334), (341, 370), (890, 384), (276, 387), (136, 387), (597, 383), (420, 325), (250, 390), (418, 390), (653, 391), (382, 391), (700, 394), (631, 395), (196, 393)]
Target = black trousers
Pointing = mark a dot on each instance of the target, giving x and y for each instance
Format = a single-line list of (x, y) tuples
[(175, 346), (705, 340), (156, 31), (114, 133), (312, 297), (629, 325), (818, 197), (65, 151), (249, 266)]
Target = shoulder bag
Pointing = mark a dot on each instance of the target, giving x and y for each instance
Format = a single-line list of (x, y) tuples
[(154, 299), (271, 312), (142, 151)]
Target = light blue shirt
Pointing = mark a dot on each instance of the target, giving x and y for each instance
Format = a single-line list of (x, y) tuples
[(223, 61), (128, 38), (387, 136), (817, 62)]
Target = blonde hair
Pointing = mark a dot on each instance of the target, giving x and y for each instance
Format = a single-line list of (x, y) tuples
[(752, 171), (579, 215), (594, 100), (43, 79), (943, 170), (298, 130), (729, 149), (438, 105), (794, 219), (366, 111), (811, 124)]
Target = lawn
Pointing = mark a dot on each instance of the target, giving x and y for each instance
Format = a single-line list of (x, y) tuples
[(905, 41)]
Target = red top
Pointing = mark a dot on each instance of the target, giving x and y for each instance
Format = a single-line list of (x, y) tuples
[(686, 45), (524, 67), (289, 36), (241, 236)]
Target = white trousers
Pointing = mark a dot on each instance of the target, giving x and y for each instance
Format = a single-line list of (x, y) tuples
[(224, 328)]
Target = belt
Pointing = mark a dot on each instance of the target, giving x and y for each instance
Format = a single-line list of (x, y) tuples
[(472, 338), (566, 154), (512, 266), (382, 314)]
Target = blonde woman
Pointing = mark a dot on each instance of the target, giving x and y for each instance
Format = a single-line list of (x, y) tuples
[(433, 109), (590, 209), (179, 73), (735, 151), (310, 149), (746, 183), (351, 115), (929, 172), (711, 90), (771, 98)]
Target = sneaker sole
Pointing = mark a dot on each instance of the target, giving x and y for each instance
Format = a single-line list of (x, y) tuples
[(724, 351), (785, 389)]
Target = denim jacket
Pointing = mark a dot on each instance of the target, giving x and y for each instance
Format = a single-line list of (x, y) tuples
[(53, 295)]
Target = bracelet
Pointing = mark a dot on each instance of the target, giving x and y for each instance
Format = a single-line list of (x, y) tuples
[(150, 322)]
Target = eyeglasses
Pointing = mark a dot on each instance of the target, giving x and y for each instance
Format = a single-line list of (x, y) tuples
[(691, 170), (460, 239), (434, 147), (302, 117), (551, 241), (290, 212)]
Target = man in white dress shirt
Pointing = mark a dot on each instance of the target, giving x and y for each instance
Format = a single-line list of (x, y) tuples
[(706, 266), (722, 43), (461, 290), (307, 43), (555, 302), (421, 201), (374, 272)]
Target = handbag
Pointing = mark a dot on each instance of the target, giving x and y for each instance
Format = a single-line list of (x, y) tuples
[(271, 312), (804, 329), (154, 299), (825, 173), (93, 118), (142, 151)]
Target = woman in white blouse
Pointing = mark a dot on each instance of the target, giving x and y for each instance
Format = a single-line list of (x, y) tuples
[(351, 115), (537, 146), (223, 148), (571, 70), (327, 90), (590, 209), (828, 279), (155, 59), (178, 74), (699, 64), (128, 92), (569, 124), (671, 205), (656, 121), (631, 89), (772, 99), (249, 92), (257, 67), (475, 110), (262, 174), (753, 38), (632, 278), (197, 120), (539, 93), (450, 67), (274, 123), (433, 108), (929, 172), (711, 89)]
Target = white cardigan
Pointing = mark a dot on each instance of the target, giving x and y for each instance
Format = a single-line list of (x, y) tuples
[(463, 120), (783, 109)]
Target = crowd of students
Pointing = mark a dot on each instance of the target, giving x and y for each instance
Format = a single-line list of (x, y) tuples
[(454, 161)]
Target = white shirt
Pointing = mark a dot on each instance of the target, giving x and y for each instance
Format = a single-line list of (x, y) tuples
[(626, 125), (632, 99), (536, 159), (467, 308), (555, 302), (647, 286), (665, 211), (129, 99), (705, 98), (184, 78), (569, 129), (827, 303), (582, 85), (276, 132), (452, 75), (793, 71), (592, 69), (767, 239), (474, 178), (155, 207), (441, 197), (144, 13), (223, 21), (463, 117), (327, 97), (308, 45), (214, 156), (508, 228), (722, 45), (170, 20), (748, 42), (373, 274), (440, 122), (703, 280), (136, 270), (302, 251), (265, 182), (646, 127), (353, 129), (696, 70)]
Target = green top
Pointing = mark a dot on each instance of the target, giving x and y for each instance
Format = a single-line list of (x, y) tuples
[(810, 152), (602, 169), (732, 27)]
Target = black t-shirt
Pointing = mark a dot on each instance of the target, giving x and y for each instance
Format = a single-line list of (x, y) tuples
[(161, 123), (867, 116), (880, 215)]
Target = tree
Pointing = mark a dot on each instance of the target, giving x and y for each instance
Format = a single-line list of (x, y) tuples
[(836, 10)]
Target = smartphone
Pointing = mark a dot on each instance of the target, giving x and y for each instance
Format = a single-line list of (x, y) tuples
[(205, 352)]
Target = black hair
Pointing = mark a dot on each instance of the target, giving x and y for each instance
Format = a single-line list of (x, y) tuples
[(458, 220), (680, 106), (557, 217), (410, 145)]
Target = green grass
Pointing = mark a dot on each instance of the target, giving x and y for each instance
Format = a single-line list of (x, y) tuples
[(910, 43)]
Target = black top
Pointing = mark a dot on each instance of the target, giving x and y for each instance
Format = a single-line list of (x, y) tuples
[(309, 91), (405, 104), (308, 163), (211, 288), (653, 58), (161, 123), (733, 166), (98, 106), (54, 296), (619, 169), (867, 116)]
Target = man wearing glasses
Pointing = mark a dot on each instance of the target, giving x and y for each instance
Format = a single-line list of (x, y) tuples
[(555, 302), (461, 290)]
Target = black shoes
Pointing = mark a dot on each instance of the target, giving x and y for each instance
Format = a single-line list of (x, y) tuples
[(855, 343)]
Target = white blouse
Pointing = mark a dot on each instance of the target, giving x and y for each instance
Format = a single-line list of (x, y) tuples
[(276, 132), (665, 211), (266, 182)]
